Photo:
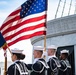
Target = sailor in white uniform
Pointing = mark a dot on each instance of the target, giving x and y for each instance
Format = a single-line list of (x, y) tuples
[(65, 68), (39, 65), (18, 67), (53, 61)]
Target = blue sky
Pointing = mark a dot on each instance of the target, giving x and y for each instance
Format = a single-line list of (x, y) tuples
[(7, 6)]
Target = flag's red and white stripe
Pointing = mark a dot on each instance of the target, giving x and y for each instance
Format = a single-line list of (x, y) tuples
[(15, 28)]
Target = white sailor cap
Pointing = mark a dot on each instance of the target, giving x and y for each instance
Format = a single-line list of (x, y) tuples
[(52, 47), (38, 48), (64, 51), (16, 50)]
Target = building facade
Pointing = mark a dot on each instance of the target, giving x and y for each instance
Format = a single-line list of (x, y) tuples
[(62, 33)]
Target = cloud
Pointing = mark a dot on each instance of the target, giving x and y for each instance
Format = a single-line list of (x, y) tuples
[(6, 7), (3, 16)]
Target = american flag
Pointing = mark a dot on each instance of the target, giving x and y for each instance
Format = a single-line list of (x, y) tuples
[(25, 22)]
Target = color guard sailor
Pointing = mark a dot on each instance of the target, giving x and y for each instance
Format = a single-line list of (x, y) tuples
[(18, 67), (39, 65), (65, 68), (53, 61)]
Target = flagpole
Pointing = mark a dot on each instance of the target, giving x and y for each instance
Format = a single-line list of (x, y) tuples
[(44, 42), (44, 56), (45, 35), (5, 64), (9, 49)]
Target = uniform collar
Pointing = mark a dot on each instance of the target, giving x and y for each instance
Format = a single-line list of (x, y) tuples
[(36, 59), (16, 61), (51, 57)]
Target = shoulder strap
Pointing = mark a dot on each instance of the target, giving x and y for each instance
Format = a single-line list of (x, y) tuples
[(44, 64), (67, 64), (56, 63), (64, 64), (15, 71), (56, 60), (40, 70), (20, 68)]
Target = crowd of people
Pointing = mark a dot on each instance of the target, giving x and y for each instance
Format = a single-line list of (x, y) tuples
[(53, 66)]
